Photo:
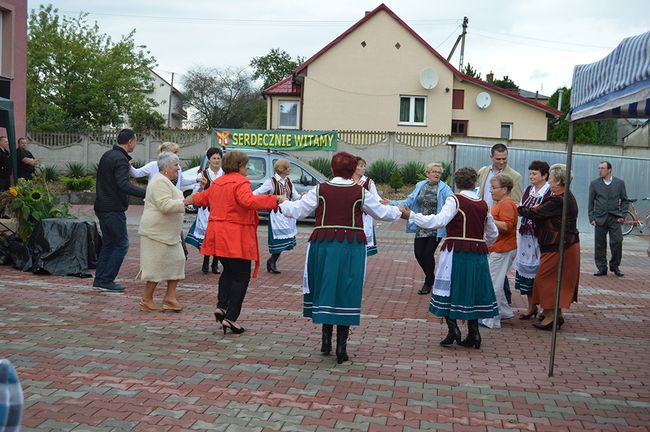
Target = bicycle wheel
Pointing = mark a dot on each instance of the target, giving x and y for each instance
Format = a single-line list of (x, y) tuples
[(629, 222)]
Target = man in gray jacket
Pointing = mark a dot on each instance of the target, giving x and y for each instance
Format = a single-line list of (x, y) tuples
[(607, 204)]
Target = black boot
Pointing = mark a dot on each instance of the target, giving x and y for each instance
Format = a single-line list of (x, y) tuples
[(326, 345), (270, 264), (215, 265), (453, 335), (473, 336), (342, 333), (206, 264)]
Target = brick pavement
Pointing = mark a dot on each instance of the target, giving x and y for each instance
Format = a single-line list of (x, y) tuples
[(91, 361)]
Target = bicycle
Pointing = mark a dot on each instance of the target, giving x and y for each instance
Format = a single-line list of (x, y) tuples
[(632, 218)]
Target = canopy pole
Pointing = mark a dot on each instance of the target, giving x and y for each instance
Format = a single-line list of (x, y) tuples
[(560, 270)]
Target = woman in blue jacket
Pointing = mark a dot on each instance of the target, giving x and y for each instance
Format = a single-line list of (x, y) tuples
[(428, 198)]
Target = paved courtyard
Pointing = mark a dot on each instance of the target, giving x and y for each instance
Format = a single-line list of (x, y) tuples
[(91, 361)]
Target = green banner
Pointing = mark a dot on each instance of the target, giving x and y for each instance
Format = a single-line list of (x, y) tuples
[(275, 139)]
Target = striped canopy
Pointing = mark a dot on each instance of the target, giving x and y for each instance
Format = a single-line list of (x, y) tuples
[(617, 86)]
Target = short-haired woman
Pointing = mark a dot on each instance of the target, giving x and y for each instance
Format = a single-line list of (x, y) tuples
[(528, 254), (427, 198), (548, 217), (463, 286), (232, 234), (502, 252), (282, 230), (161, 253), (336, 255), (196, 232)]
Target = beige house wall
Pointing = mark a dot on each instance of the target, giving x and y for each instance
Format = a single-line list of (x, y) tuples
[(528, 123), (352, 87)]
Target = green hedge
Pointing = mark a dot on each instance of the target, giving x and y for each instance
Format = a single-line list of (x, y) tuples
[(78, 184)]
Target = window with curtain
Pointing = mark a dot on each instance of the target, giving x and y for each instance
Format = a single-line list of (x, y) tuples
[(288, 118), (412, 110)]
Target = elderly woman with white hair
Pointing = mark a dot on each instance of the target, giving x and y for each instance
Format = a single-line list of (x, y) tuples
[(548, 218), (161, 252)]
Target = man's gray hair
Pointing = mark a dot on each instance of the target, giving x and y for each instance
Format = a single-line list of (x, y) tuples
[(166, 159), (558, 172)]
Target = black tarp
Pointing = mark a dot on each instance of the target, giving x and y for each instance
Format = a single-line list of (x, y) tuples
[(61, 247)]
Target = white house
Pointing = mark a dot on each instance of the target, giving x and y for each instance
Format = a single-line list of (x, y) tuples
[(164, 94)]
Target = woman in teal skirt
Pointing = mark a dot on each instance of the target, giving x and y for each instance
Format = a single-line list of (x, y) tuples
[(336, 255), (462, 288)]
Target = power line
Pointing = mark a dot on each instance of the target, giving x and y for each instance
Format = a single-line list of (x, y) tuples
[(244, 20), (494, 35)]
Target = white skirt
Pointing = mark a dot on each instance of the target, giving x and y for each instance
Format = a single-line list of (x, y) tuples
[(160, 262)]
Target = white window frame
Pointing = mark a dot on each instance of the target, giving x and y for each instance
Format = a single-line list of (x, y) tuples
[(509, 137), (411, 121), (297, 125)]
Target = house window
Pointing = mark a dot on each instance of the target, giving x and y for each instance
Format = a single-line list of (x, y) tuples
[(412, 110), (458, 99), (506, 131), (459, 127), (288, 115)]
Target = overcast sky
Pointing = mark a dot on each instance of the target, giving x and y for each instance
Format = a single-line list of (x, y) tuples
[(535, 43)]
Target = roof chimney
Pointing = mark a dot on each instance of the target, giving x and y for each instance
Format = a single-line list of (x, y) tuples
[(367, 13), (489, 77)]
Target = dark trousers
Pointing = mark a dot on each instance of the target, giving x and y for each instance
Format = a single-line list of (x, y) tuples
[(4, 184), (115, 244), (233, 284), (425, 249), (613, 228)]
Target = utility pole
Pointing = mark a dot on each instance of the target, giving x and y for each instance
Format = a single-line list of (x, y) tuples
[(462, 44), (460, 38), (169, 108)]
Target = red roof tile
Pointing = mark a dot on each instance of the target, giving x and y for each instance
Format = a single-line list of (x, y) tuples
[(285, 87)]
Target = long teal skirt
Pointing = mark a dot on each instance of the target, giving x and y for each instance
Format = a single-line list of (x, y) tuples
[(335, 276), (279, 245), (471, 295)]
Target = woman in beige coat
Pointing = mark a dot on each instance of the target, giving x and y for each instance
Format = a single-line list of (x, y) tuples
[(161, 252)]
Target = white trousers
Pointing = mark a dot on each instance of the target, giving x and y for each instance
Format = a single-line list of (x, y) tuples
[(500, 264)]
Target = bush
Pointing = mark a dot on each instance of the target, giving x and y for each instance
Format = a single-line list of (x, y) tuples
[(323, 165), (75, 170), (380, 171), (78, 184), (92, 171), (446, 173), (396, 181), (412, 172), (192, 162), (49, 173)]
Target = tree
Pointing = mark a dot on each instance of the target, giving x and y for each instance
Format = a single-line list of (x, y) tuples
[(469, 70), (143, 120), (274, 67), (594, 132), (505, 82), (221, 97), (396, 181), (78, 78)]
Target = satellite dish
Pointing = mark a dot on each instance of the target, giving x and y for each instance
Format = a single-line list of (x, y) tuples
[(428, 78), (483, 100)]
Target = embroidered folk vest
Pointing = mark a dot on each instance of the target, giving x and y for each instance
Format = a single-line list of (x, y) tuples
[(339, 214), (465, 231)]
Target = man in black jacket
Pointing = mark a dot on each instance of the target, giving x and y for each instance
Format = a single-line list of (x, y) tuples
[(607, 203), (111, 202)]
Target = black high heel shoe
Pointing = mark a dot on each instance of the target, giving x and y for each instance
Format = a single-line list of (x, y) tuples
[(233, 328), (473, 335), (326, 345), (533, 314), (219, 315), (342, 333), (548, 326)]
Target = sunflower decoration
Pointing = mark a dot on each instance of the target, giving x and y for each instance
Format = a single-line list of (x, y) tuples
[(29, 202)]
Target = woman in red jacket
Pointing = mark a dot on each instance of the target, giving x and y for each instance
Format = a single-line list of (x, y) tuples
[(232, 234)]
